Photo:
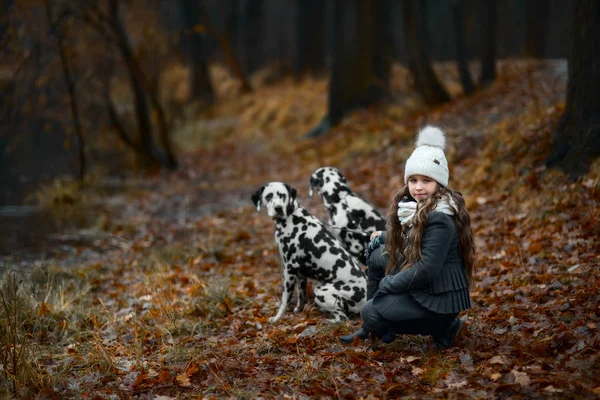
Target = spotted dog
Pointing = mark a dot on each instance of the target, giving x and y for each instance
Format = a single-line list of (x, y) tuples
[(355, 218), (310, 251)]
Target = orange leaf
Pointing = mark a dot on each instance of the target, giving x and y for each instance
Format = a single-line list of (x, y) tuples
[(164, 377), (190, 370), (44, 309), (535, 247)]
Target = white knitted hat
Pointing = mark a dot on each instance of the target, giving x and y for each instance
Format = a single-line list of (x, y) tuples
[(428, 159)]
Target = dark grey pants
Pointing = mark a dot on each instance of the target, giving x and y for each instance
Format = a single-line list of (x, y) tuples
[(405, 315)]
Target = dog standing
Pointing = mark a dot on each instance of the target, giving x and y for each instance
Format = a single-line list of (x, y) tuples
[(310, 251), (355, 218)]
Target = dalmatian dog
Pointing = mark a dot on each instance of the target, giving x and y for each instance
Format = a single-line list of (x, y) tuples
[(310, 251), (355, 218)]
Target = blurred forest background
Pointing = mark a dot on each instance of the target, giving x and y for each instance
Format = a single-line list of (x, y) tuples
[(85, 82), (133, 133)]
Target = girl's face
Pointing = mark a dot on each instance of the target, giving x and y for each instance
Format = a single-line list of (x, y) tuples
[(421, 187)]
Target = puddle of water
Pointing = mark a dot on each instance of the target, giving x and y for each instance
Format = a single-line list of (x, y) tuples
[(24, 231)]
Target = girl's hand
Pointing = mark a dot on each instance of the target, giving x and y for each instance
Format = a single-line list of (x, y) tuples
[(374, 235)]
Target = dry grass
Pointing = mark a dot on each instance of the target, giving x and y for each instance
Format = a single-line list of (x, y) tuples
[(64, 200), (40, 313)]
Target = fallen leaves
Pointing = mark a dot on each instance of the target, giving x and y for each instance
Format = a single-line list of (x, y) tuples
[(184, 378)]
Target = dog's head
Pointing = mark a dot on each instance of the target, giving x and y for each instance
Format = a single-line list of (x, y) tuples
[(330, 183), (278, 197)]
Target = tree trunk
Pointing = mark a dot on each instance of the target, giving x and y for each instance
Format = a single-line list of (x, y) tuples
[(310, 40), (576, 141), (537, 12), (142, 110), (225, 46), (488, 41), (70, 83), (462, 57), (251, 34), (5, 10), (426, 82), (383, 43), (193, 44), (353, 82)]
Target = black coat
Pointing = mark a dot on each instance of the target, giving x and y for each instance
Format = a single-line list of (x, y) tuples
[(438, 280)]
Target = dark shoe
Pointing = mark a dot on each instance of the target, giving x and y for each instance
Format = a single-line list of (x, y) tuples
[(388, 337), (362, 333), (446, 339)]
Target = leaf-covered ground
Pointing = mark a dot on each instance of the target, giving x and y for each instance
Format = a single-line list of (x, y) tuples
[(172, 300)]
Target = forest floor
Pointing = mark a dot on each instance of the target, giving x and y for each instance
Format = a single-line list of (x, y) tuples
[(168, 295)]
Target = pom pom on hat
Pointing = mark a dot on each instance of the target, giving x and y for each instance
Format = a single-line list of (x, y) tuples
[(431, 136), (428, 158)]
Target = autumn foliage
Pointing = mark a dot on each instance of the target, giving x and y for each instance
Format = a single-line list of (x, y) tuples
[(172, 297)]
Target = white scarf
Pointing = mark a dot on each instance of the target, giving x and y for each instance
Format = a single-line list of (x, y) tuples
[(407, 210)]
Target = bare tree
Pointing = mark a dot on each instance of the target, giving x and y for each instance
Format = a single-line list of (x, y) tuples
[(68, 75), (415, 29), (225, 45), (252, 32), (193, 44), (489, 12), (537, 12), (310, 37), (576, 141), (354, 81), (462, 57)]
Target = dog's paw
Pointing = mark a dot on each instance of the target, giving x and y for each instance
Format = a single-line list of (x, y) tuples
[(298, 309), (273, 319)]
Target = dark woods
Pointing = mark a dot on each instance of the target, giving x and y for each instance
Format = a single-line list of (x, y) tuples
[(81, 78)]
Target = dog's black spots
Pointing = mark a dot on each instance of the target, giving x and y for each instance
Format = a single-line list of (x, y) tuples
[(289, 209), (296, 220), (357, 272), (291, 250), (325, 236), (358, 215), (310, 246), (323, 275), (357, 294), (269, 197)]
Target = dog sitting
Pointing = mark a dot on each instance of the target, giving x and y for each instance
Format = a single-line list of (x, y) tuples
[(355, 218), (310, 251)]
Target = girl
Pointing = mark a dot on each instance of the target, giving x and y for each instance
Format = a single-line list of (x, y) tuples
[(420, 283)]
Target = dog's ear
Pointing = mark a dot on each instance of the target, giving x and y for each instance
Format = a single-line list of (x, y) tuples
[(342, 178), (315, 182), (257, 196), (292, 192)]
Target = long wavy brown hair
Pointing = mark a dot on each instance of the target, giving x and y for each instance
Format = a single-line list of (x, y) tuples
[(412, 250)]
